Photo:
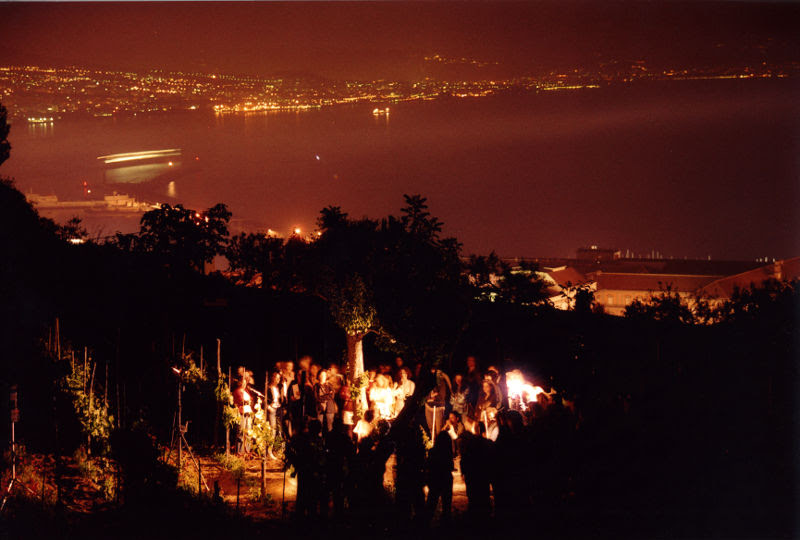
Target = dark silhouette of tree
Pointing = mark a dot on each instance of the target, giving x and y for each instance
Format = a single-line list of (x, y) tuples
[(774, 301), (666, 306), (5, 128), (483, 272), (522, 285), (331, 217), (257, 254), (423, 297), (584, 300), (397, 278), (341, 270), (180, 236), (497, 281)]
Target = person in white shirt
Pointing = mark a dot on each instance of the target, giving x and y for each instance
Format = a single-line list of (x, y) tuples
[(382, 397)]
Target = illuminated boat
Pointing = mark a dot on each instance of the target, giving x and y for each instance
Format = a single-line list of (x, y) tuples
[(145, 155), (40, 119), (380, 112), (140, 167)]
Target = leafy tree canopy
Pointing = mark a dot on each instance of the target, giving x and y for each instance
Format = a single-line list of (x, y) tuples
[(183, 237)]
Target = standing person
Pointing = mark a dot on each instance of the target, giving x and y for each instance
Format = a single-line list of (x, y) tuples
[(348, 408), (326, 405), (403, 390), (294, 405), (340, 451), (459, 399), (287, 377), (367, 389), (307, 455), (381, 397), (512, 478), (476, 462), (410, 475), (487, 400), (305, 385), (493, 375), (440, 477), (405, 383), (274, 400), (336, 381), (310, 393), (399, 366), (438, 402), (473, 383), (454, 428), (242, 402)]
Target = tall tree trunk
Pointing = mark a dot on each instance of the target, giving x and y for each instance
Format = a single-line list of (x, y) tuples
[(355, 355)]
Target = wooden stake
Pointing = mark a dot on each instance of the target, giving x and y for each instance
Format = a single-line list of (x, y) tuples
[(180, 428), (219, 365), (58, 340), (91, 385), (105, 388), (219, 408), (116, 379), (85, 360), (90, 394), (119, 414), (227, 427), (264, 450)]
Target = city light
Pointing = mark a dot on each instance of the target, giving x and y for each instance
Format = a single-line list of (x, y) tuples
[(107, 93)]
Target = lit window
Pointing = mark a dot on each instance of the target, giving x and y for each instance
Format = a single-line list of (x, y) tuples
[(627, 300), (610, 301)]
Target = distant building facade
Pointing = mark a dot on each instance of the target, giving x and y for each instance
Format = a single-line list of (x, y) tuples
[(616, 281)]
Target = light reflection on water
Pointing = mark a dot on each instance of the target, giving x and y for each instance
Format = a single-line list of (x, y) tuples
[(41, 130), (138, 174)]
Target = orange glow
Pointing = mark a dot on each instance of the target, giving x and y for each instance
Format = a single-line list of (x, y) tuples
[(520, 390)]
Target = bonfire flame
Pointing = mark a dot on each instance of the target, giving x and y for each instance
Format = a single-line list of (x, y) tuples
[(521, 391)]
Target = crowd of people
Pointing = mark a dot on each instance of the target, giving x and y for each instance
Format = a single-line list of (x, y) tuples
[(338, 437)]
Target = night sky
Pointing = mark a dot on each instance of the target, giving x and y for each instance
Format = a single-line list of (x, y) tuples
[(341, 39), (681, 200)]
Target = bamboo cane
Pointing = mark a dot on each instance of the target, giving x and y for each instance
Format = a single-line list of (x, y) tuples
[(90, 394), (105, 388), (85, 360), (264, 450), (58, 340)]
